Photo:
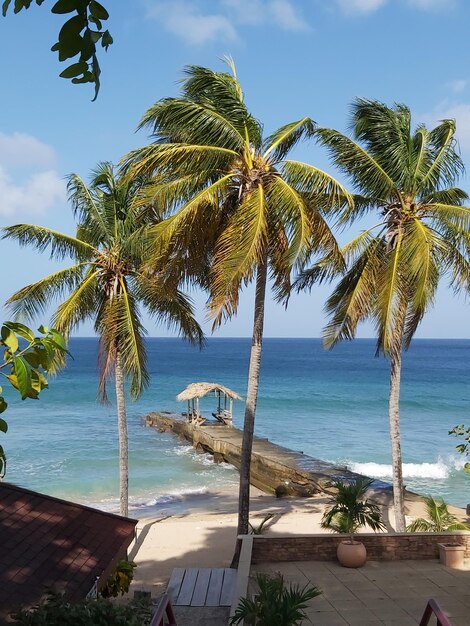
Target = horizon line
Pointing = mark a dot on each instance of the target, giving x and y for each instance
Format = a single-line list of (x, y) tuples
[(279, 337)]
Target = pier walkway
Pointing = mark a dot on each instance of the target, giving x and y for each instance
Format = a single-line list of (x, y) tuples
[(274, 469)]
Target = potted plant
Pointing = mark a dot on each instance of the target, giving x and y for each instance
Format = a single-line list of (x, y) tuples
[(349, 511), (441, 520)]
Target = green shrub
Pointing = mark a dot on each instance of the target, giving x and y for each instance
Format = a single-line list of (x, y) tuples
[(119, 582), (56, 611), (275, 604)]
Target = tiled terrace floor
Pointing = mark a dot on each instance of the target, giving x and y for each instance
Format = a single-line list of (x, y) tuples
[(380, 593)]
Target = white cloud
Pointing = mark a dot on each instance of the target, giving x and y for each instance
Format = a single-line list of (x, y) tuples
[(286, 16), (41, 189), (282, 13), (23, 149), (190, 23), (245, 11), (360, 6), (198, 22), (458, 111)]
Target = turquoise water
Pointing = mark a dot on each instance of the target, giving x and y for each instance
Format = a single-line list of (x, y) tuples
[(331, 405)]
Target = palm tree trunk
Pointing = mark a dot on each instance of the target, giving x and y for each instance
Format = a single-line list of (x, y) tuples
[(123, 440), (250, 406), (394, 419)]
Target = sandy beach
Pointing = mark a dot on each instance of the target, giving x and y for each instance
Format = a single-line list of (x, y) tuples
[(204, 536)]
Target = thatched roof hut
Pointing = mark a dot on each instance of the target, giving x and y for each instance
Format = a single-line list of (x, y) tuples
[(198, 390), (195, 391)]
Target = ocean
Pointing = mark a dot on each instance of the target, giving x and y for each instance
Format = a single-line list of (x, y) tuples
[(331, 405)]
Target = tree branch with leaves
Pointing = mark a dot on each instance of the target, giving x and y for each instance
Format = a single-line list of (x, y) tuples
[(26, 360), (78, 38)]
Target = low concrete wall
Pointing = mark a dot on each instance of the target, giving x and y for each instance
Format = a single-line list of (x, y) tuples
[(243, 573), (385, 547)]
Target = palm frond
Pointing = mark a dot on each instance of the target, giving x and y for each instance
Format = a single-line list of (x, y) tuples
[(287, 207), (41, 238), (84, 204), (222, 92), (445, 166), (365, 171), (456, 217), (81, 304), (34, 300), (121, 331), (165, 195), (358, 208), (420, 156), (177, 160), (169, 306), (238, 250), (281, 270), (440, 519), (354, 298), (281, 142), (186, 121), (313, 181), (457, 263), (386, 135), (422, 252), (451, 195), (336, 262), (349, 509), (324, 270), (197, 211)]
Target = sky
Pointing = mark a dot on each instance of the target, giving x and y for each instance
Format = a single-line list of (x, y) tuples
[(293, 58)]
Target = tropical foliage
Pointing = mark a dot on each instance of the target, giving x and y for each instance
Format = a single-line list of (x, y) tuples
[(78, 37), (120, 580), (462, 448), (406, 179), (350, 509), (267, 521), (106, 283), (439, 519), (274, 603), (237, 208), (57, 611), (27, 358)]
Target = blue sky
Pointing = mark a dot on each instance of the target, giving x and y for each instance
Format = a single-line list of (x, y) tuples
[(293, 57)]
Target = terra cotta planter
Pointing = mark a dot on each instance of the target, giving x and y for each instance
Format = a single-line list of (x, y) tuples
[(451, 554), (351, 553)]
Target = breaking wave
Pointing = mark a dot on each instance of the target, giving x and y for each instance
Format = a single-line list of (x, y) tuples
[(440, 470)]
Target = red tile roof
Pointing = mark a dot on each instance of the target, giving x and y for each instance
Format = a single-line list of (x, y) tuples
[(47, 543)]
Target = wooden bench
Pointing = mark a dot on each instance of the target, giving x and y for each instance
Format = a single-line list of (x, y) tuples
[(202, 586)]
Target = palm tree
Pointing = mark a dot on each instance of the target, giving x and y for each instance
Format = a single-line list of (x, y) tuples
[(422, 233), (440, 519), (231, 194), (106, 283)]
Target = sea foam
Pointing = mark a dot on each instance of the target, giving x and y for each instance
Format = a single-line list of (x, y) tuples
[(440, 470)]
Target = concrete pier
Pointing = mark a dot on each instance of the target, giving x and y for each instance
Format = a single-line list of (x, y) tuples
[(274, 469)]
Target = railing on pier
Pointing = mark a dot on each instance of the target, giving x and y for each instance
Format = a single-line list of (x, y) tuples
[(432, 608), (164, 607)]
